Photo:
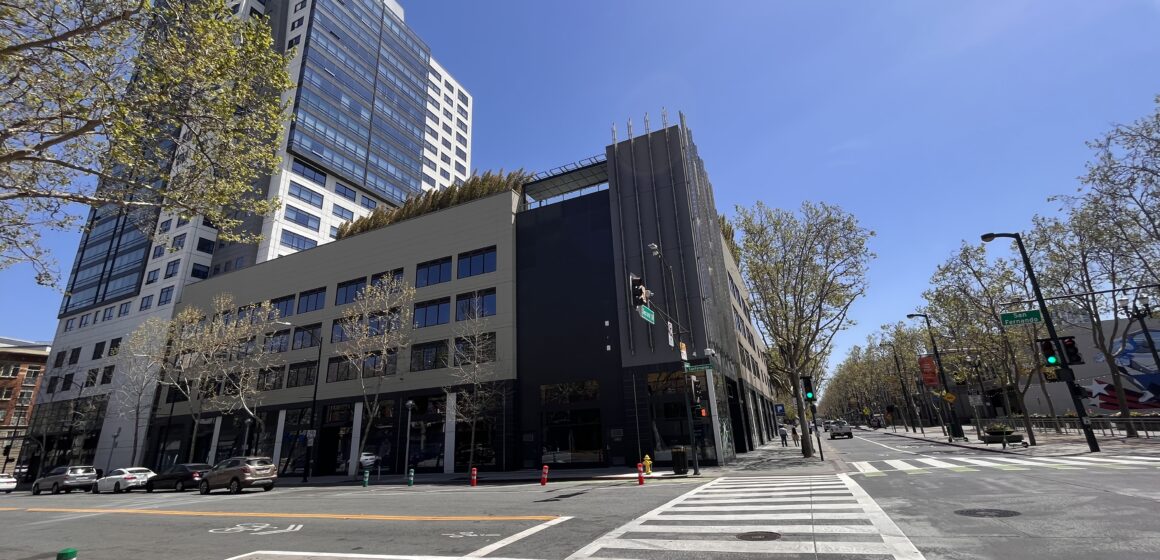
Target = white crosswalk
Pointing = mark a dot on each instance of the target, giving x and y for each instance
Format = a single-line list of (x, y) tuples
[(810, 515), (921, 465)]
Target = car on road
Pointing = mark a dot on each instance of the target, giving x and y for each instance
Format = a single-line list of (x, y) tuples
[(179, 477), (7, 483), (238, 473), (841, 429), (123, 480), (67, 479), (367, 460), (826, 425)]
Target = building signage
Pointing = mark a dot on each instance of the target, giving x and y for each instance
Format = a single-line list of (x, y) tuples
[(929, 369), (1021, 317)]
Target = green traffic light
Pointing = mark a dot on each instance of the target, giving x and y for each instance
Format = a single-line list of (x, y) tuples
[(1052, 360), (809, 395)]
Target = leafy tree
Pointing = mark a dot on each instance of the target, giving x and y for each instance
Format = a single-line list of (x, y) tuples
[(473, 373), (140, 359), (133, 104)]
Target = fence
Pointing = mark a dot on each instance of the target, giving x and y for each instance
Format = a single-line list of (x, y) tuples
[(1101, 426)]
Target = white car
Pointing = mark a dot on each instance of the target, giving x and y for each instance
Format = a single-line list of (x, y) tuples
[(124, 480), (7, 483), (367, 460), (841, 429)]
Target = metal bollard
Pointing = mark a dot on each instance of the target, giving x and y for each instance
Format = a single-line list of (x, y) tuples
[(366, 477), (474, 476), (639, 474), (411, 477), (544, 476)]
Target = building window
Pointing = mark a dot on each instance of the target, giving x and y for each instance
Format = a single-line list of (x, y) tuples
[(446, 142), (462, 140), (278, 342), (475, 304), (305, 195), (293, 42), (165, 296), (146, 303), (460, 168), (114, 346), (298, 7), (429, 355), (341, 212), (171, 268), (33, 372), (284, 305), (67, 383), (91, 377), (307, 337), (368, 203), (182, 220), (309, 171), (178, 242), (475, 349), (445, 174), (124, 309), (158, 251), (52, 382), (5, 394), (480, 261), (74, 356), (107, 314), (433, 272), (312, 300), (205, 245), (460, 153), (434, 312), (270, 379), (199, 271), (107, 375), (152, 275), (304, 219), (340, 369), (334, 232), (462, 125), (99, 350), (239, 263), (345, 192), (295, 241), (164, 226), (463, 99), (339, 332), (348, 291), (395, 277), (301, 374), (85, 320), (445, 159), (462, 112), (69, 324), (296, 23)]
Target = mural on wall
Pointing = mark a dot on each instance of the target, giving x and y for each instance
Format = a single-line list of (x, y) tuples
[(1141, 376)]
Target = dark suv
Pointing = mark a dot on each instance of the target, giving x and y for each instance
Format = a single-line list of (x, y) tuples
[(67, 479), (237, 473)]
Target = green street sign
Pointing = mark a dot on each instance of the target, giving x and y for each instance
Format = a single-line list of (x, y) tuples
[(1021, 317), (648, 314), (701, 367)]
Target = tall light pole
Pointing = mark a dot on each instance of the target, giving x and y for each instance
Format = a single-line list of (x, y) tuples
[(410, 404), (1065, 372), (956, 428), (689, 379), (1139, 312), (314, 417)]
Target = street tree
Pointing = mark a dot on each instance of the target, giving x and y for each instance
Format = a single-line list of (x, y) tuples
[(133, 105), (374, 328), (473, 370), (140, 358), (803, 270)]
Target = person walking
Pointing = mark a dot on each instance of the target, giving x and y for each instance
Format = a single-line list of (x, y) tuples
[(796, 441), (783, 433)]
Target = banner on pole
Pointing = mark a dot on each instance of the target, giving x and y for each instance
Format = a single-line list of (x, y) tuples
[(929, 370)]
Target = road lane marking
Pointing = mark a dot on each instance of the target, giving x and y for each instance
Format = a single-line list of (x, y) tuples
[(10, 509), (901, 546), (905, 467), (520, 535), (1034, 464), (345, 516), (342, 555), (737, 529)]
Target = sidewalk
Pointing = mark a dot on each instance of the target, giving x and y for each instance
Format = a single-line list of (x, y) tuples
[(1047, 444)]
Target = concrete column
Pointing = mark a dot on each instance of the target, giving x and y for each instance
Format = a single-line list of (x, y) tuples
[(211, 458), (279, 428), (356, 432), (449, 436)]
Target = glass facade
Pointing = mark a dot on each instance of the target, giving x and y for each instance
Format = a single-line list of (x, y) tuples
[(669, 421), (111, 258), (360, 119)]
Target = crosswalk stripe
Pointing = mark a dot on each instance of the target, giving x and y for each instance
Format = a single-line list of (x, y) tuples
[(698, 501), (1033, 463), (754, 547), (864, 467), (760, 516), (1154, 460), (770, 487), (936, 463), (1073, 463), (775, 494), (735, 529), (1117, 461), (771, 507), (983, 463), (905, 467)]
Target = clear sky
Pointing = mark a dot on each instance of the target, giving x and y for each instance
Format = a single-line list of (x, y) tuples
[(932, 121)]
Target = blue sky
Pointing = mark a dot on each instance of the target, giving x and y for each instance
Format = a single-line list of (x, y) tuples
[(932, 121)]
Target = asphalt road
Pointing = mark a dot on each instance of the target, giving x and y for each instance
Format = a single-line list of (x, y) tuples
[(1074, 507)]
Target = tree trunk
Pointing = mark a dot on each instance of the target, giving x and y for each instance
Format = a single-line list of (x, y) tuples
[(193, 439), (471, 450), (1027, 425), (807, 442), (1046, 395)]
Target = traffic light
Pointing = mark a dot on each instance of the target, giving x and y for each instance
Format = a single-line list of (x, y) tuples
[(808, 388), (638, 291), (8, 450), (1049, 352), (1071, 350), (700, 410)]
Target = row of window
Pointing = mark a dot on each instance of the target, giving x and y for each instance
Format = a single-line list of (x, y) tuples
[(66, 382), (24, 398), (11, 370), (74, 355)]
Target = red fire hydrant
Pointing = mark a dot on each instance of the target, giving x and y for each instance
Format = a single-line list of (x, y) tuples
[(474, 476), (640, 474), (544, 476)]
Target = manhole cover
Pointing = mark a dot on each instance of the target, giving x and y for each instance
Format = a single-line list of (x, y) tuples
[(759, 536), (987, 513)]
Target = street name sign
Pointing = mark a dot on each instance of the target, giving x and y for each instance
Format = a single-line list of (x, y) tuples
[(670, 323), (648, 314), (1021, 317)]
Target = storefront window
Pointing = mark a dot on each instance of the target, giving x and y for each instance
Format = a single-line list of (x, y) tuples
[(570, 423), (426, 433), (669, 420)]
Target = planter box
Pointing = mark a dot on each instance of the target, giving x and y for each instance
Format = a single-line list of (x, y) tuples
[(999, 438)]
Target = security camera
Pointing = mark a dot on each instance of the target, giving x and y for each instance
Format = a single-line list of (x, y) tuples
[(710, 352)]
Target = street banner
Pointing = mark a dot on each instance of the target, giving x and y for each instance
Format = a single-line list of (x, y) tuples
[(929, 370)]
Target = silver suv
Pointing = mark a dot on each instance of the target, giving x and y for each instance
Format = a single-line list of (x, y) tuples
[(67, 479)]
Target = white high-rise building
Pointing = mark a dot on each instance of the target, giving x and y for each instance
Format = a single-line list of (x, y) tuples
[(376, 121)]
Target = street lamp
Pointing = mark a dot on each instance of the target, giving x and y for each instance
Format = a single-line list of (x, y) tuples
[(1139, 312), (314, 417), (410, 404), (1064, 370), (956, 429)]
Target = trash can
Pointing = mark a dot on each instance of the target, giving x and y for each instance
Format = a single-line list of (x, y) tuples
[(680, 461)]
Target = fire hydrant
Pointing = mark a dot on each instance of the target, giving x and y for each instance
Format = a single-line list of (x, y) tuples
[(647, 465)]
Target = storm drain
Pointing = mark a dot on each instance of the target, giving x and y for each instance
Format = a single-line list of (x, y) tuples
[(986, 513), (759, 536)]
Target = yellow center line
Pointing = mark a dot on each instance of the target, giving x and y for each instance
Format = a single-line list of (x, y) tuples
[(10, 509), (351, 516)]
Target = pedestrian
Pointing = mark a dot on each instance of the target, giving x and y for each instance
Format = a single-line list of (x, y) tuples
[(784, 434), (796, 440)]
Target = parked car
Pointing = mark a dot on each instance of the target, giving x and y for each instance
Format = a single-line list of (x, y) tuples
[(826, 425), (123, 480), (367, 460), (67, 478), (7, 483), (178, 477), (841, 429), (238, 473)]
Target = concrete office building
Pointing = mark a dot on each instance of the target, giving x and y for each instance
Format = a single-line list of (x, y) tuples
[(586, 381), (376, 120), (21, 365)]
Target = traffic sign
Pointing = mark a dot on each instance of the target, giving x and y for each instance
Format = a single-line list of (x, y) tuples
[(950, 398), (976, 400), (648, 314), (1021, 317), (779, 409), (684, 354), (670, 323), (701, 367)]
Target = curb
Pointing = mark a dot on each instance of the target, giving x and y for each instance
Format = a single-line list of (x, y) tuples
[(460, 481), (951, 444)]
